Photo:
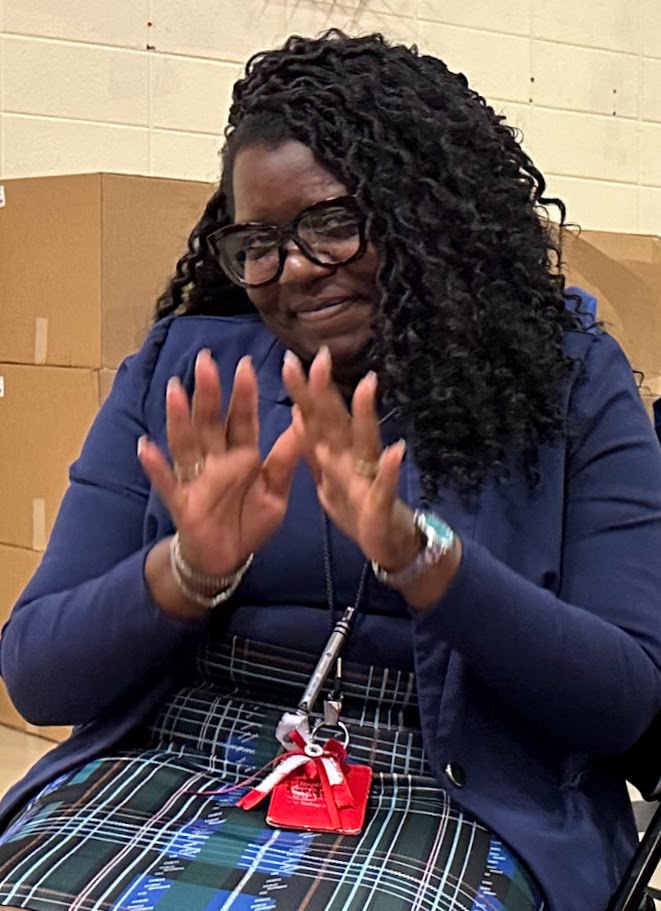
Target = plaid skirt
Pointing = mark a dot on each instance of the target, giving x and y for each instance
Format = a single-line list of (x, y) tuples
[(134, 831)]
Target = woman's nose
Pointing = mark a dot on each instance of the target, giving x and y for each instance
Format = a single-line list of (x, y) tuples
[(298, 267)]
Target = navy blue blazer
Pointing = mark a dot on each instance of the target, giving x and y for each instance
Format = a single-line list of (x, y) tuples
[(537, 668)]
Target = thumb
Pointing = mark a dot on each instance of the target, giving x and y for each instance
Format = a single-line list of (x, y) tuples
[(279, 465), (298, 425)]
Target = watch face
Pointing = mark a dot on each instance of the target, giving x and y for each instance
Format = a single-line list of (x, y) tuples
[(439, 537)]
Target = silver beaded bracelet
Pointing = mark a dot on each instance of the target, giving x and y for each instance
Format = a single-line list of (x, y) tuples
[(221, 587)]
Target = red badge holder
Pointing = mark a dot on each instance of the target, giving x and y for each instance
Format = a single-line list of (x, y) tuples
[(313, 787), (327, 794)]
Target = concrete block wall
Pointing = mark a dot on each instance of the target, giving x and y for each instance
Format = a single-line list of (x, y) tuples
[(143, 86)]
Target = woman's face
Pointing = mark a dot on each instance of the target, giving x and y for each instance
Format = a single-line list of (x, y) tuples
[(308, 306)]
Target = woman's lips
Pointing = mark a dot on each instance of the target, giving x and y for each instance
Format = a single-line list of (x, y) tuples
[(326, 310)]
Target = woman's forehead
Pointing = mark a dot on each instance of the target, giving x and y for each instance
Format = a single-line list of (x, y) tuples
[(274, 184)]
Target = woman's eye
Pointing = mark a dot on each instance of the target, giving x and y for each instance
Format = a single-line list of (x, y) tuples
[(257, 248)]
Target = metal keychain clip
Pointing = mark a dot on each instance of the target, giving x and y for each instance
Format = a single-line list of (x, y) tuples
[(330, 656), (332, 711), (331, 722), (335, 730)]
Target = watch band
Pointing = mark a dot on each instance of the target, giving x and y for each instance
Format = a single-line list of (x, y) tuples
[(438, 539)]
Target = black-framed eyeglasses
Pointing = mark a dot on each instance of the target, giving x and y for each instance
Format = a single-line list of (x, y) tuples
[(330, 233)]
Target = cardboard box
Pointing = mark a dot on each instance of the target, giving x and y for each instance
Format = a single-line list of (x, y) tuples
[(16, 568), (624, 273), (45, 413), (83, 259)]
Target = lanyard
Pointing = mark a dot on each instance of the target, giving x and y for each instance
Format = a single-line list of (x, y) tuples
[(330, 659)]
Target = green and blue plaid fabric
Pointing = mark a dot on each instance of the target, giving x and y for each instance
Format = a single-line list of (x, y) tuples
[(134, 831)]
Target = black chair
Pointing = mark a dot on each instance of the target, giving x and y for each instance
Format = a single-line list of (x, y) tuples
[(642, 767)]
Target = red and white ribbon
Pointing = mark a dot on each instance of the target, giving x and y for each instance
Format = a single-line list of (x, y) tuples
[(288, 764), (324, 764)]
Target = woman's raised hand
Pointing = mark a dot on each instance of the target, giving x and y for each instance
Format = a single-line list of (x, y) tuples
[(223, 499), (357, 479)]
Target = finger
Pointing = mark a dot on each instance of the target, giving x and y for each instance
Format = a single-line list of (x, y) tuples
[(280, 464), (307, 449), (319, 377), (329, 467), (334, 478), (242, 425), (324, 414), (295, 381), (159, 472), (182, 440), (206, 415), (384, 489), (327, 418), (367, 443)]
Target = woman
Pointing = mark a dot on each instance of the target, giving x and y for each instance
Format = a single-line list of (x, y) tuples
[(492, 510)]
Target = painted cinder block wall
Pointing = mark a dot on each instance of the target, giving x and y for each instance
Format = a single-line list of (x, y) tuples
[(142, 86)]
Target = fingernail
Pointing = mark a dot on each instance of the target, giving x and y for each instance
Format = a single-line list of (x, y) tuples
[(401, 447), (371, 378), (141, 443), (291, 358), (324, 354), (202, 354), (245, 361), (173, 383)]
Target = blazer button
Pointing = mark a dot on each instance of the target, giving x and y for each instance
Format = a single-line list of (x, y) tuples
[(456, 774)]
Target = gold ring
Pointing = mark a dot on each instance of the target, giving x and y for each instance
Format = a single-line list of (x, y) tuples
[(365, 468), (188, 473)]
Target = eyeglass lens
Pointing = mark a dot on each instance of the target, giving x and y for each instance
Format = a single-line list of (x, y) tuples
[(329, 235)]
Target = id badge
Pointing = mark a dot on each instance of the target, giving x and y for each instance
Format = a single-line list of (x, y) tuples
[(312, 804)]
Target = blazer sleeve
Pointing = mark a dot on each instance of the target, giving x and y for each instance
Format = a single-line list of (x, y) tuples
[(86, 631), (584, 666)]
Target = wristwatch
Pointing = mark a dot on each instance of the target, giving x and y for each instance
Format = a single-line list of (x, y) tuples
[(437, 539)]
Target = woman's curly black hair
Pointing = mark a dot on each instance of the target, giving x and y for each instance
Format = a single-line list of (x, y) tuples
[(468, 336)]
